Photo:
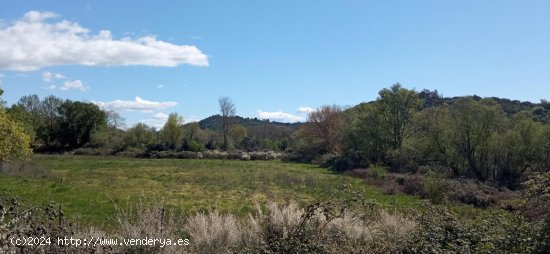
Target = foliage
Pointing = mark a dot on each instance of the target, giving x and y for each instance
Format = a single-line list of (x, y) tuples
[(397, 106), (171, 134), (78, 120), (441, 231), (324, 129), (140, 135), (14, 142)]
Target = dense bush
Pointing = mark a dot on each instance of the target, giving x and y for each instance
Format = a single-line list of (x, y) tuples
[(211, 154)]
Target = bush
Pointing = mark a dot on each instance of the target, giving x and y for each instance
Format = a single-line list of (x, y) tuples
[(340, 163), (132, 152), (378, 172), (20, 221), (434, 188), (473, 192), (195, 146), (440, 231), (102, 151)]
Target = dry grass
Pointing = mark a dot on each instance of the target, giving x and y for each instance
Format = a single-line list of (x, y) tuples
[(148, 219), (213, 232), (273, 229)]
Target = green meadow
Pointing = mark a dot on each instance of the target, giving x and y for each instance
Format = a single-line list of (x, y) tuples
[(89, 188)]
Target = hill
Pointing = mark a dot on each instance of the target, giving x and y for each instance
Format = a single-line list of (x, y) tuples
[(434, 99), (214, 123)]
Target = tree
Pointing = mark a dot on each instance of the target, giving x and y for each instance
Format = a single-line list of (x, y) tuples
[(2, 102), (325, 127), (172, 132), (397, 106), (237, 133), (377, 129), (140, 135), (14, 142), (27, 120), (49, 131), (31, 103), (114, 120), (77, 122), (27, 112), (228, 110), (366, 137), (473, 123), (193, 131)]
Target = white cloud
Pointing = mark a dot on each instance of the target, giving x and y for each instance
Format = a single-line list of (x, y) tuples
[(33, 42), (279, 116), (305, 110), (49, 76), (158, 120), (160, 116), (193, 119), (160, 86), (50, 87), (137, 104), (74, 85)]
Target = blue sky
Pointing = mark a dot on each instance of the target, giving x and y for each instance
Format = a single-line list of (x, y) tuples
[(270, 57)]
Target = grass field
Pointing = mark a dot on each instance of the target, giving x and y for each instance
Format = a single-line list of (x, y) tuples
[(89, 188)]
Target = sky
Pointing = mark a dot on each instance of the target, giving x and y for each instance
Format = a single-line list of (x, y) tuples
[(275, 59)]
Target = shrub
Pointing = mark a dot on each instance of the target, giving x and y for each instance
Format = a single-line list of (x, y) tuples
[(472, 192), (23, 222), (440, 231), (93, 151), (434, 188), (195, 146), (378, 172), (132, 152), (187, 155), (340, 163)]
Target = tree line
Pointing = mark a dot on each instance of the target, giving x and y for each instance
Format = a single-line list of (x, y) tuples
[(56, 125), (407, 131), (487, 139)]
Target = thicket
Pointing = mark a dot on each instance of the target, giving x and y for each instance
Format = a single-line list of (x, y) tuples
[(410, 132)]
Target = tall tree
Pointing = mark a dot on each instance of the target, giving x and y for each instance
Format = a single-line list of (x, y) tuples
[(14, 142), (78, 121), (27, 112), (172, 132), (49, 131), (114, 120), (398, 105), (366, 138), (31, 103), (228, 110), (473, 123)]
